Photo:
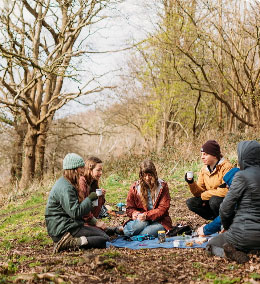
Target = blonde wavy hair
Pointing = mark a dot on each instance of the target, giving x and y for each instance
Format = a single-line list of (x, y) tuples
[(147, 167)]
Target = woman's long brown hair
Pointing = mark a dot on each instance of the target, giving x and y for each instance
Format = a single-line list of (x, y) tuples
[(147, 167), (72, 176), (90, 164)]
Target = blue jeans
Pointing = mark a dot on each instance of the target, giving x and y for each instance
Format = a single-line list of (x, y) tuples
[(137, 227)]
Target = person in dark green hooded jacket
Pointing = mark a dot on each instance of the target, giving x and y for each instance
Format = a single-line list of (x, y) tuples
[(63, 214), (240, 210)]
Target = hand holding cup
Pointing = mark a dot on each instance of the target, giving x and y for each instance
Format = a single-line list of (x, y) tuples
[(189, 177), (99, 193)]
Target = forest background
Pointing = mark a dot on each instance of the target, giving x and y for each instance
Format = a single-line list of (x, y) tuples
[(193, 76), (186, 72)]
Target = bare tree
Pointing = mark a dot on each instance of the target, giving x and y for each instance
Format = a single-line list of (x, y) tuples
[(222, 54), (163, 107), (42, 43)]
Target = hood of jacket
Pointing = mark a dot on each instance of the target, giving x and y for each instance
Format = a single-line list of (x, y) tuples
[(248, 153)]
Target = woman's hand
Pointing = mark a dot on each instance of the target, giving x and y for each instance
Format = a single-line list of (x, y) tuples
[(102, 225), (135, 214), (141, 217), (103, 191)]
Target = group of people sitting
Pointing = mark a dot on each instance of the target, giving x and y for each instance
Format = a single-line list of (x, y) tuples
[(228, 196)]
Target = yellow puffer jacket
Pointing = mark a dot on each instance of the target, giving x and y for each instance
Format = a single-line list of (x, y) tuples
[(208, 183)]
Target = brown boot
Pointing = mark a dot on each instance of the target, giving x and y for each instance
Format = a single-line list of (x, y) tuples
[(67, 242), (234, 254)]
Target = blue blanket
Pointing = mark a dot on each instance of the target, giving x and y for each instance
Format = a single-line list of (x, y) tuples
[(178, 241)]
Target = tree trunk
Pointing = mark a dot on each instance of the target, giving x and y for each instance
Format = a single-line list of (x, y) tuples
[(28, 168), (17, 155), (40, 150), (39, 156), (195, 116)]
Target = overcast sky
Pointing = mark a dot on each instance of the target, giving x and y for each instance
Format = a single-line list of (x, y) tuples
[(130, 23)]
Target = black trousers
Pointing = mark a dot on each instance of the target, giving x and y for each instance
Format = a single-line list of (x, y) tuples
[(96, 237), (207, 209)]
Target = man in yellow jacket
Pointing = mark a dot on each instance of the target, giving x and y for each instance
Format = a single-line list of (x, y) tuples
[(209, 190)]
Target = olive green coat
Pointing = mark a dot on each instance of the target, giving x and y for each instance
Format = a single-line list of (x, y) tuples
[(63, 211)]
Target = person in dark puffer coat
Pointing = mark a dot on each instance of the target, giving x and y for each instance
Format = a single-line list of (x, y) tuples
[(243, 224)]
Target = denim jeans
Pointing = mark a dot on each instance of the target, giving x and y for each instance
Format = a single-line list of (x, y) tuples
[(137, 227)]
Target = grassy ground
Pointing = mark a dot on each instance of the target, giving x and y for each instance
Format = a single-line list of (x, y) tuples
[(26, 250)]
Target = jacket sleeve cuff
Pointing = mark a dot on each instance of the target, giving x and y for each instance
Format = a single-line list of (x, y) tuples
[(195, 189), (92, 221)]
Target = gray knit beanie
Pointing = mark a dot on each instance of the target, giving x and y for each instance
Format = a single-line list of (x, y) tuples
[(72, 161)]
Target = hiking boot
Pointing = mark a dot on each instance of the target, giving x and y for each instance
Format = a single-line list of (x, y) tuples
[(209, 250), (234, 254), (67, 242), (214, 250)]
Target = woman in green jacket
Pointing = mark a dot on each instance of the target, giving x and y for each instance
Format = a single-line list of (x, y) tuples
[(63, 214)]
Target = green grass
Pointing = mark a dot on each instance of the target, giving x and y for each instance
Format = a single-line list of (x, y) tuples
[(255, 276), (221, 279), (23, 222), (112, 254), (116, 189)]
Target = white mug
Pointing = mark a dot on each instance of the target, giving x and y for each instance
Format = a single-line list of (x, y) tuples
[(99, 192), (190, 175)]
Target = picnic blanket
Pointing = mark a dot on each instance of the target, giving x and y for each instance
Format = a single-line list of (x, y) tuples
[(182, 242)]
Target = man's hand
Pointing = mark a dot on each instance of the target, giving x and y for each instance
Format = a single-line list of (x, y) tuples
[(190, 181), (200, 231)]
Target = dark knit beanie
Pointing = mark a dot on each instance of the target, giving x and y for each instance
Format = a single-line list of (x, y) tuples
[(211, 147)]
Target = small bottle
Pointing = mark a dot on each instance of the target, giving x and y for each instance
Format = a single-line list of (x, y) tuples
[(161, 236)]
